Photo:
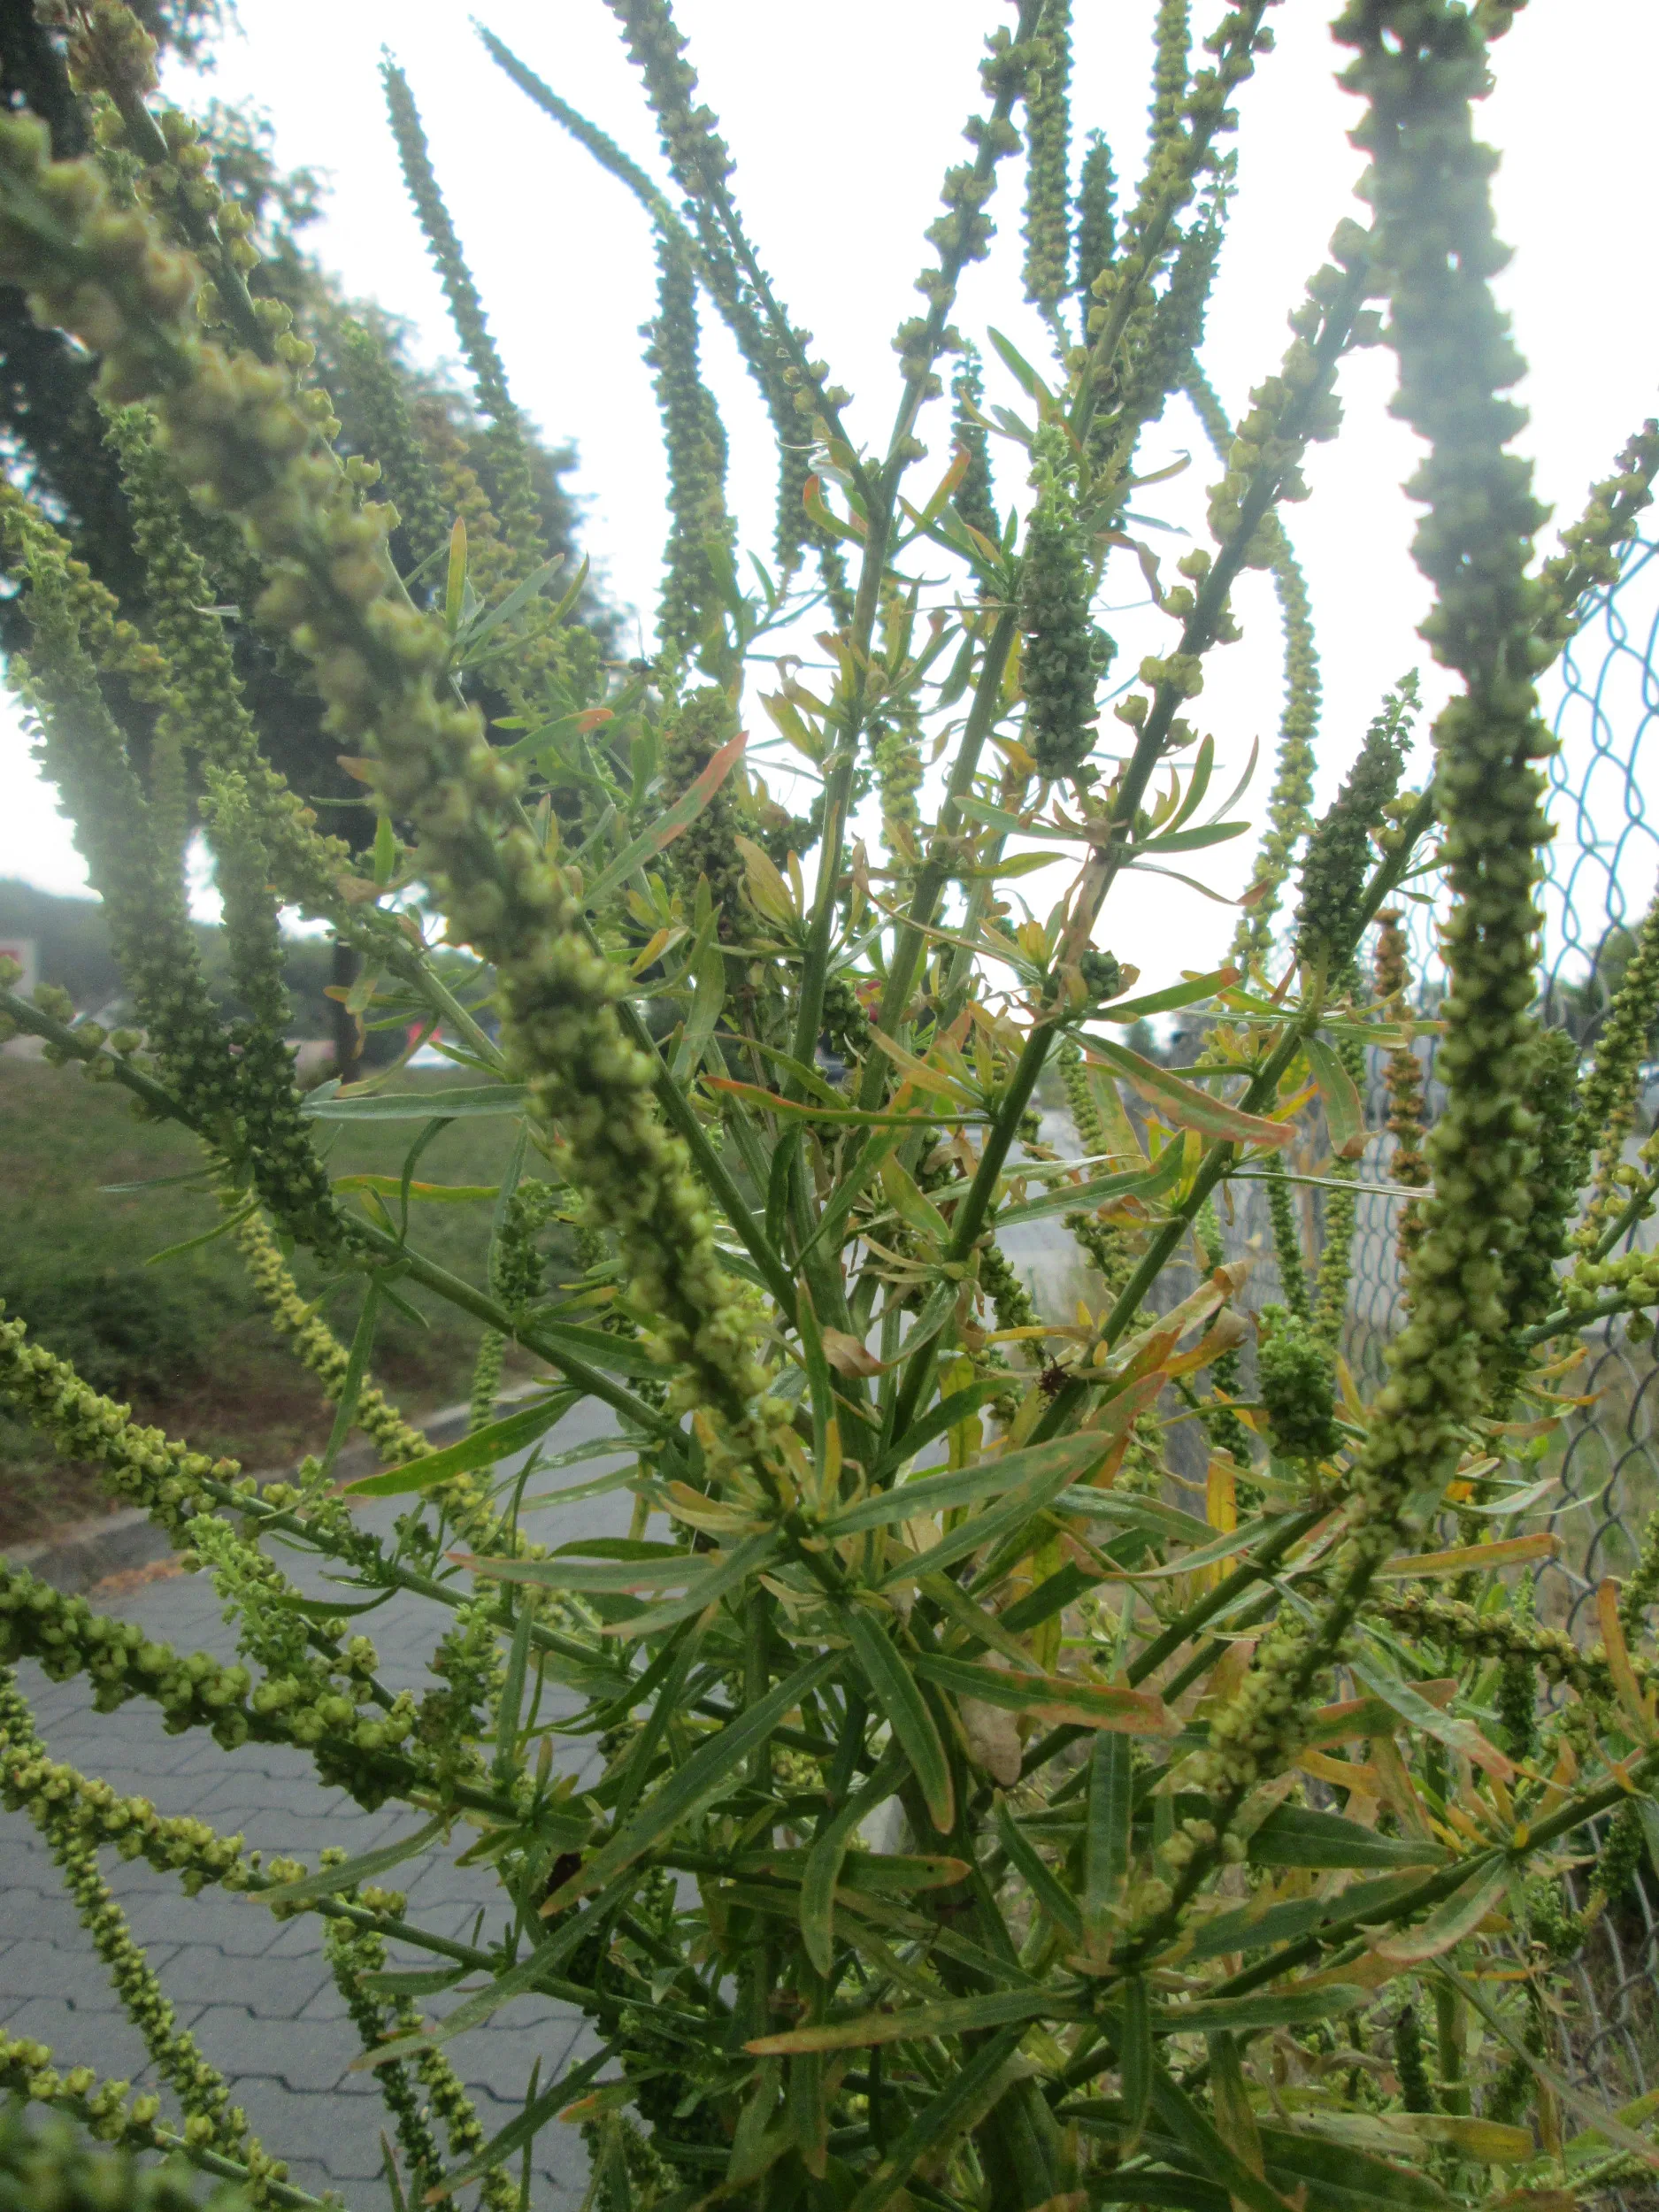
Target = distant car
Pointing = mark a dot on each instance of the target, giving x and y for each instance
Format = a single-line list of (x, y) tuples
[(1647, 1095)]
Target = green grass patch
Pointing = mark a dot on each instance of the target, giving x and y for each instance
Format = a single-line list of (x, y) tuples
[(185, 1342)]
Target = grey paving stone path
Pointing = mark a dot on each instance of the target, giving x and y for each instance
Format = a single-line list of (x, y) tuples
[(257, 1993)]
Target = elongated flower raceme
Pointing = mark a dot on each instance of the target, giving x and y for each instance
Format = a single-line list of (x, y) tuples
[(1419, 67), (394, 441), (315, 1344), (1096, 227), (199, 2086), (700, 542), (1340, 854), (1606, 1104), (1402, 1076), (519, 514), (1287, 816), (1065, 654), (1048, 163)]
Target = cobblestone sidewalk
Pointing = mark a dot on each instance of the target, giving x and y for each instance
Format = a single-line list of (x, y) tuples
[(256, 1993)]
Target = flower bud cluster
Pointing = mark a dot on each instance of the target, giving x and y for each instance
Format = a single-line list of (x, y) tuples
[(111, 2113), (1288, 819), (964, 232), (85, 754), (1183, 152), (1591, 546), (1419, 67), (55, 2166), (999, 1280), (1554, 1180), (314, 1343), (353, 1953), (1065, 654), (27, 538), (1296, 408), (1260, 1729), (139, 1464), (516, 501), (696, 153), (468, 1663), (1342, 1213), (1607, 1094), (269, 1135), (200, 2088), (67, 1637), (1048, 227), (1296, 1375), (1096, 222), (704, 720), (975, 499), (1339, 857), (203, 696), (393, 440), (131, 1826), (1404, 1075)]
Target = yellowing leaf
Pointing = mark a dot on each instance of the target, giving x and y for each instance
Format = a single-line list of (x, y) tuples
[(1513, 1551), (768, 892), (848, 1355)]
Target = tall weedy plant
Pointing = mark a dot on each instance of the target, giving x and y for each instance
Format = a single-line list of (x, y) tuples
[(978, 1827)]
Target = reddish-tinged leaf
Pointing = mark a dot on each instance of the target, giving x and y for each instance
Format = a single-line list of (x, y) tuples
[(1186, 1105), (669, 824), (1459, 1914), (1085, 1704)]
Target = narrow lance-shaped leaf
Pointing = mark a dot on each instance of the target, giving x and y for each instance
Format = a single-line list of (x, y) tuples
[(1447, 1728), (366, 1867), (1176, 2112), (1066, 1457), (1106, 1839), (1344, 1115), (1089, 1704), (900, 1698), (1135, 2060), (525, 2126), (969, 2089), (712, 1771), (1512, 1551), (1049, 1893), (1186, 1105), (1448, 1924), (462, 1102), (822, 1871), (483, 1448), (669, 824), (952, 2015)]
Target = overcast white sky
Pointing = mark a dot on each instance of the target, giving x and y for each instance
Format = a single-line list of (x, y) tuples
[(841, 122)]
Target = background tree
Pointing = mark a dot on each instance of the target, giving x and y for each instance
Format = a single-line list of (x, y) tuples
[(52, 443)]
